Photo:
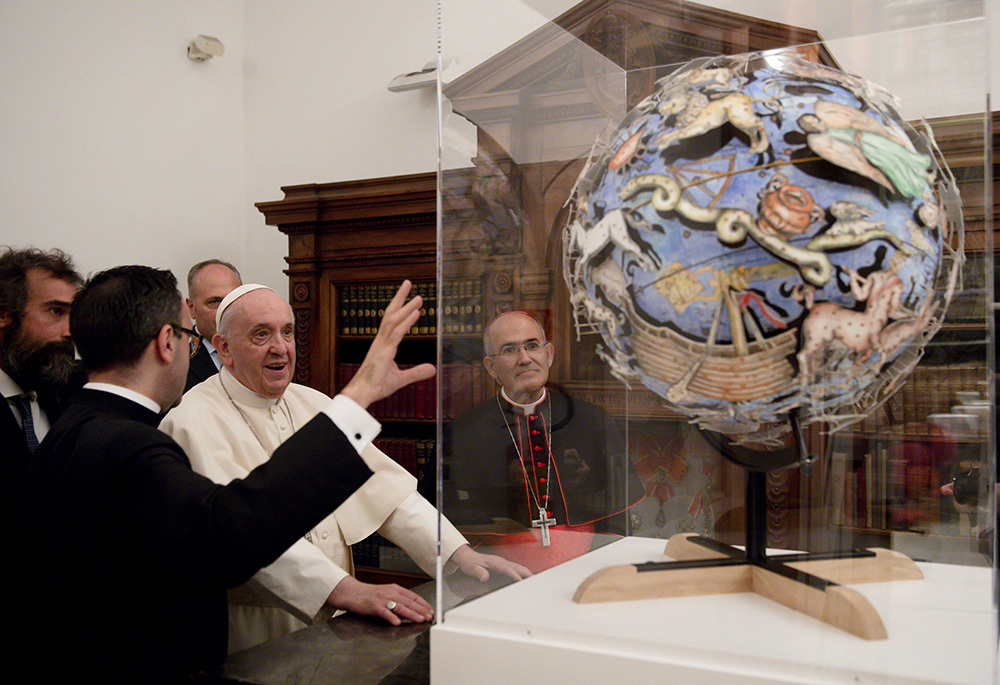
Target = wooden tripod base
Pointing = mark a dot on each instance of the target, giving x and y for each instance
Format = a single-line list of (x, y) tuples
[(809, 583)]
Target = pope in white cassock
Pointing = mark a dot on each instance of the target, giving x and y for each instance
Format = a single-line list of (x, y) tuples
[(233, 422)]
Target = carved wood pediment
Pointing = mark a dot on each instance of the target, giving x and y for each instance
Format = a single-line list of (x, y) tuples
[(599, 38)]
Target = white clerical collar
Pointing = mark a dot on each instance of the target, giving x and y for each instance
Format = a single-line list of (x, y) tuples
[(128, 394), (526, 408), (241, 393), (8, 386)]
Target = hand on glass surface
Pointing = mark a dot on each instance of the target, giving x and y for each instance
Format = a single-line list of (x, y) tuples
[(390, 602)]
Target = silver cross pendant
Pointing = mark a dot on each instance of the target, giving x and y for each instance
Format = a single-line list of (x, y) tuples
[(543, 521)]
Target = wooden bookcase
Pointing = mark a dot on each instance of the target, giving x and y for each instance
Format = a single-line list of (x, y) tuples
[(350, 245)]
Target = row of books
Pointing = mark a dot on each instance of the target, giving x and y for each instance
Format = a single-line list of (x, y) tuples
[(415, 401), (463, 383), (362, 307), (462, 306), (463, 387), (417, 456), (887, 488)]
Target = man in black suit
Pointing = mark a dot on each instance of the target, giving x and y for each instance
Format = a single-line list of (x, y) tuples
[(37, 367), (208, 282), (145, 548), (36, 358)]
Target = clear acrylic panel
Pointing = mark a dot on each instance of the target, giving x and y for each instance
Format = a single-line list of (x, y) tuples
[(754, 238)]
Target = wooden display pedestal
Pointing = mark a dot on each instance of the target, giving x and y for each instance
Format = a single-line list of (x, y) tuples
[(809, 583)]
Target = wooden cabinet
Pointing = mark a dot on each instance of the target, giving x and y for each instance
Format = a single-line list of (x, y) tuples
[(349, 244), (377, 231)]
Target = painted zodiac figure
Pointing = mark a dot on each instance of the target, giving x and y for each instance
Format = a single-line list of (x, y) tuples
[(895, 335), (850, 139), (612, 228), (859, 331), (697, 115), (852, 227), (597, 313), (732, 225)]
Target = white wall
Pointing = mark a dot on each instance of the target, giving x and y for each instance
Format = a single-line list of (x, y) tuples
[(117, 148), (318, 108), (113, 145)]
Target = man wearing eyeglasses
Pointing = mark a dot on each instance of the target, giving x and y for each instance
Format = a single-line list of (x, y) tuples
[(533, 473)]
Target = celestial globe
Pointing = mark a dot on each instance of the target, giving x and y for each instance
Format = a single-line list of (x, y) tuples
[(763, 235)]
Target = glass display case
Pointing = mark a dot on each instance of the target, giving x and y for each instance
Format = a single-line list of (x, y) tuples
[(714, 289)]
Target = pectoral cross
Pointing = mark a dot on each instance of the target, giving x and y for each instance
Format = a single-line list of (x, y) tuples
[(543, 521)]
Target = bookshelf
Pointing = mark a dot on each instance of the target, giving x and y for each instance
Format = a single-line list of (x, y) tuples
[(350, 246)]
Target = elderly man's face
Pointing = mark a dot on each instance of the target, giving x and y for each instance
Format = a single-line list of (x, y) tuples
[(259, 345), (520, 358), (212, 283), (37, 349)]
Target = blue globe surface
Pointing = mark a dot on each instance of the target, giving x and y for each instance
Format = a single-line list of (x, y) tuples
[(763, 234)]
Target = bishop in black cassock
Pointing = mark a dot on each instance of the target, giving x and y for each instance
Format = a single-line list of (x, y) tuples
[(502, 462), (533, 472)]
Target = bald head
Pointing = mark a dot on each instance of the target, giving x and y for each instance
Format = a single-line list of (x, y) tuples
[(517, 355), (208, 283), (504, 320), (256, 342)]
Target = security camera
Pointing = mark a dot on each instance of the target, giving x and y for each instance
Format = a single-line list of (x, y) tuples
[(205, 47)]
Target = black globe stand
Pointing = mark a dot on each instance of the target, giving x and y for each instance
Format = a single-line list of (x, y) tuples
[(812, 583)]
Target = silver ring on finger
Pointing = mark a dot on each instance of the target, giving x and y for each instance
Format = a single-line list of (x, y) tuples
[(390, 605)]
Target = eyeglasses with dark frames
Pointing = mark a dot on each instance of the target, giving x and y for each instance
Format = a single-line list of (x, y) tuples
[(511, 352), (194, 339)]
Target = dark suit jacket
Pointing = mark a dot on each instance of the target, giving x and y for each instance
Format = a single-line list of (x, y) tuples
[(201, 367), (15, 458), (138, 549)]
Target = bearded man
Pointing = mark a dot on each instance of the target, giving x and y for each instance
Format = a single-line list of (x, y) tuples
[(234, 421), (37, 366)]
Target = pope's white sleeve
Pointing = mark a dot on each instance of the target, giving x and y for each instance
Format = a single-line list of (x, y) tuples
[(413, 527), (300, 580)]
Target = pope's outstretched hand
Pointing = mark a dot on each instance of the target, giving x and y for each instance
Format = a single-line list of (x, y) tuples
[(379, 376)]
